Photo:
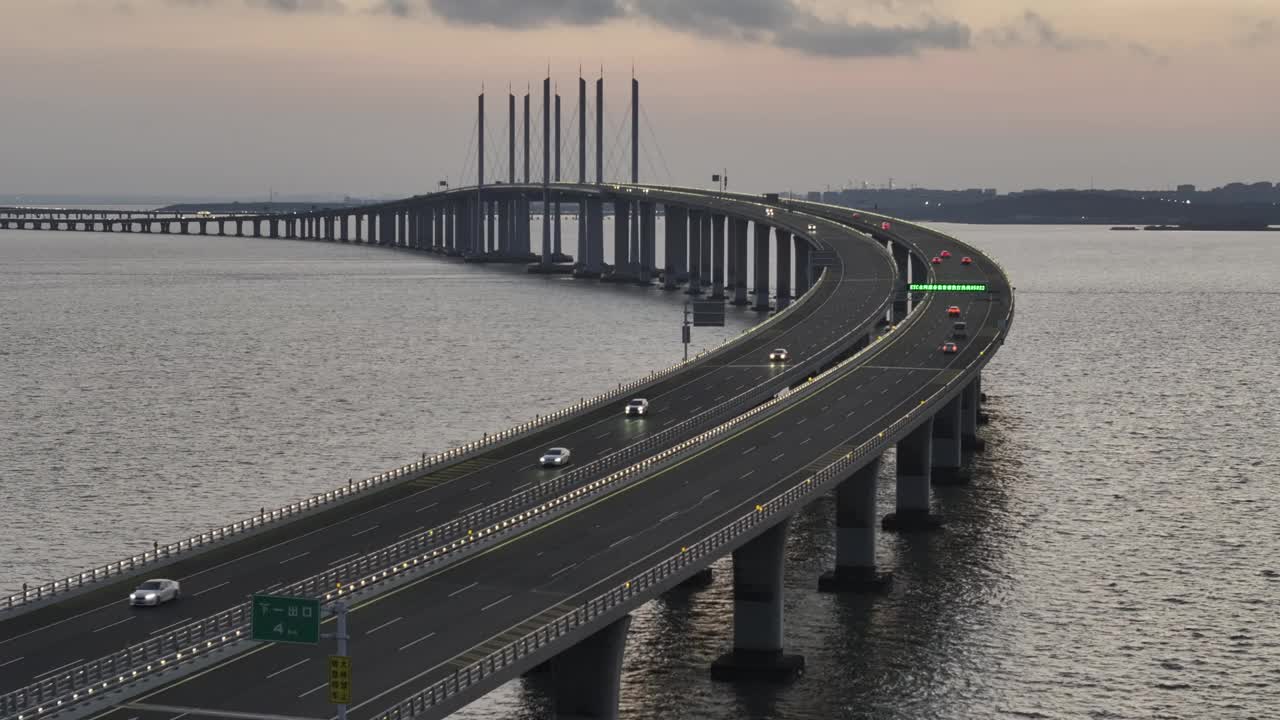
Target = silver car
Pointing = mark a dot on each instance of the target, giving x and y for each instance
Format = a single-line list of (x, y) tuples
[(779, 355), (155, 592), (555, 457), (638, 406)]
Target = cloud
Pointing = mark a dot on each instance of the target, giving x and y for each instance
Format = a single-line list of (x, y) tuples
[(521, 13), (782, 23), (1260, 32), (299, 6), (1034, 30)]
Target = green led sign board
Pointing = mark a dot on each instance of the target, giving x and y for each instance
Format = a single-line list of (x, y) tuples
[(948, 287), (286, 619)]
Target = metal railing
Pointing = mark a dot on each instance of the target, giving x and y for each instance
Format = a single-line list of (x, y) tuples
[(429, 549), (639, 587), (411, 471)]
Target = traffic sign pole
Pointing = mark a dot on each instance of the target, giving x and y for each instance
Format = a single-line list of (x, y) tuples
[(340, 664), (341, 609)]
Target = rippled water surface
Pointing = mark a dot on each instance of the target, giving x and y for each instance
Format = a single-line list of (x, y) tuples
[(1116, 556)]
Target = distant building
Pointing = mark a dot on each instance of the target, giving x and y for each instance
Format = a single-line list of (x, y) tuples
[(1186, 189), (813, 196)]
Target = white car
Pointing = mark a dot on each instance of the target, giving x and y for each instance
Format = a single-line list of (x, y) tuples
[(155, 592), (638, 406), (555, 457), (779, 355)]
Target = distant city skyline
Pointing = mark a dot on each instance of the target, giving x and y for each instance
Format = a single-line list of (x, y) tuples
[(228, 98)]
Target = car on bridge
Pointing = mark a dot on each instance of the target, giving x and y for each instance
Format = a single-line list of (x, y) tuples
[(950, 348), (884, 225), (945, 254), (779, 355), (155, 592), (555, 457), (638, 406), (966, 260), (959, 330), (936, 260), (954, 311)]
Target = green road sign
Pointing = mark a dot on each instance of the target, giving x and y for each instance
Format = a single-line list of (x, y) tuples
[(286, 619), (948, 287)]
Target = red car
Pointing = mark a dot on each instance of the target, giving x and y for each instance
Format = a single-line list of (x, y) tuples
[(950, 348), (954, 311), (884, 225), (936, 260), (966, 260), (945, 253)]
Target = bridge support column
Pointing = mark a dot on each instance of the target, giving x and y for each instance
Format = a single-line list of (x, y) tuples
[(674, 216), (621, 240), (757, 653), (704, 242), (804, 268), (762, 268), (856, 536), (491, 225), (738, 259), (648, 241), (695, 253), (969, 439), (948, 459), (717, 257), (587, 677), (915, 458), (783, 282)]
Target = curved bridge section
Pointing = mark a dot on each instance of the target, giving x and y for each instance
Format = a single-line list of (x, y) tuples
[(836, 317), (557, 592)]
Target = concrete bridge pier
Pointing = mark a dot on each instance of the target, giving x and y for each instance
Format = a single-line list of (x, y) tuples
[(648, 242), (757, 653), (704, 259), (948, 459), (970, 399), (590, 265), (915, 460), (738, 259), (695, 253), (761, 267), (717, 257), (671, 238), (586, 678), (856, 536), (783, 274), (621, 240), (491, 225)]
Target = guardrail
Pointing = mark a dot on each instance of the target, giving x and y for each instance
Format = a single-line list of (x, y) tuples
[(169, 551), (637, 589)]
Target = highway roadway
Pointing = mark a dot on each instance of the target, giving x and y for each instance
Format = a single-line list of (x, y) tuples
[(422, 632), (41, 643)]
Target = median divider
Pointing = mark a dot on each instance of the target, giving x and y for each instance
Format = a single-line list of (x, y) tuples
[(39, 595), (575, 624)]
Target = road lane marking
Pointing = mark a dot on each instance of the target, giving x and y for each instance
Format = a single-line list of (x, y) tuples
[(473, 507), (389, 622), (520, 487), (314, 689), (801, 421), (606, 451), (415, 642), (366, 530), (341, 559), (209, 712), (677, 512), (477, 487), (749, 450), (619, 542), (709, 495), (210, 589), (287, 668), (426, 507), (118, 622), (295, 557), (417, 529), (495, 602), (605, 435), (777, 457), (10, 662), (825, 429), (166, 627), (570, 566), (459, 591), (775, 435), (745, 475)]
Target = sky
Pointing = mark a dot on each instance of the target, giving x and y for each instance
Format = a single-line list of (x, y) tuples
[(375, 98)]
